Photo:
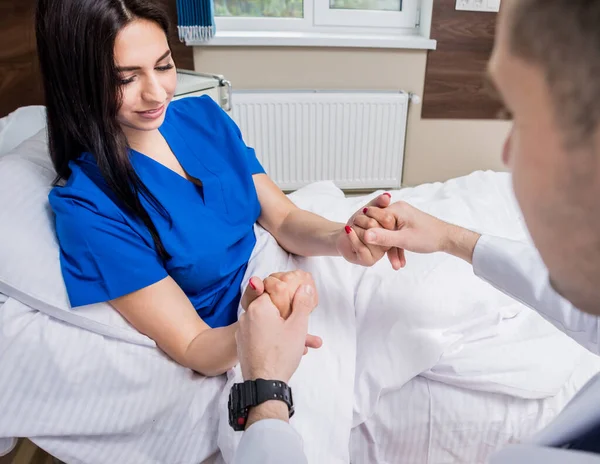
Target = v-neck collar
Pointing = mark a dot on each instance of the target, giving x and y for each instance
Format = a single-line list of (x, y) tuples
[(161, 166), (189, 155), (179, 150), (178, 157), (164, 170), (194, 164)]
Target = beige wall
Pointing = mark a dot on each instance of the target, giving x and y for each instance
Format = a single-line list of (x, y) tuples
[(436, 150)]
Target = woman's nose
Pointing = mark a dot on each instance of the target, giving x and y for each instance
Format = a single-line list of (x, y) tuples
[(153, 91)]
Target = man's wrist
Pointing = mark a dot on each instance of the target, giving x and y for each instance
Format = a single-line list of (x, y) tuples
[(265, 374), (460, 242), (273, 409)]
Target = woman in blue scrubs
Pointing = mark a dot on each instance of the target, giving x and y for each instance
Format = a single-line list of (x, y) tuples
[(157, 212)]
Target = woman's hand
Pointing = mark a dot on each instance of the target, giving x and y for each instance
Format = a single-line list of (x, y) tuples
[(281, 288), (351, 243)]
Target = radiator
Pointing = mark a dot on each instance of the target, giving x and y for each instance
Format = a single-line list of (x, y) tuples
[(355, 139)]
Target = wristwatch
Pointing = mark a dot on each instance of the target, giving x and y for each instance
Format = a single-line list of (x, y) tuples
[(244, 396)]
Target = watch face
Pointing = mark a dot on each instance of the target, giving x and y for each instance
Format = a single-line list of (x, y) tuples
[(237, 414)]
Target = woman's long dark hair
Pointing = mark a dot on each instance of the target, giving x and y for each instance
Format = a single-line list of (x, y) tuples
[(75, 41)]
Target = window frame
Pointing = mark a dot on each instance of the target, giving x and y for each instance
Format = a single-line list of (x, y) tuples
[(319, 18), (408, 18)]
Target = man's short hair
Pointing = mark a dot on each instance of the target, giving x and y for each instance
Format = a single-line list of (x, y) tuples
[(563, 38)]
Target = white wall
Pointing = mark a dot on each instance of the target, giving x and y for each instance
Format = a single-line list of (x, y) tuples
[(436, 150)]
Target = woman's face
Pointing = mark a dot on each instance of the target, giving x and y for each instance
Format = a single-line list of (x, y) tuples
[(147, 73)]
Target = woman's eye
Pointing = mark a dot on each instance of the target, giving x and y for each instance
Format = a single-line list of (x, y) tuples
[(127, 81), (165, 68), (159, 68)]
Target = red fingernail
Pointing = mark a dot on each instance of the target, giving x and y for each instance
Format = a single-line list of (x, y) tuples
[(388, 194), (252, 285), (348, 230), (365, 210)]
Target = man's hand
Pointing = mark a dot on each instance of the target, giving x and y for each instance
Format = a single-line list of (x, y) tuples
[(281, 287), (270, 347), (350, 241), (419, 232)]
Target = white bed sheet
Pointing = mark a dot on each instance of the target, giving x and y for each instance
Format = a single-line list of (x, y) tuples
[(6, 444), (86, 398)]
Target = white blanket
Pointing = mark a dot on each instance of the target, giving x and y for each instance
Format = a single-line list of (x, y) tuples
[(447, 324), (431, 422), (434, 318)]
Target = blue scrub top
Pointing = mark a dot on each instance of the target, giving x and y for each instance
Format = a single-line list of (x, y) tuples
[(106, 252)]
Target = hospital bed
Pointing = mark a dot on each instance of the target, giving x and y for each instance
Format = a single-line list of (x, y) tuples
[(87, 387)]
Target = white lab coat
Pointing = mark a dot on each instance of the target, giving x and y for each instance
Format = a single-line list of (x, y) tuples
[(516, 269)]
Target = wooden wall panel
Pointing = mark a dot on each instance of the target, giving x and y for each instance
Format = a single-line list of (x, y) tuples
[(454, 83), (20, 82)]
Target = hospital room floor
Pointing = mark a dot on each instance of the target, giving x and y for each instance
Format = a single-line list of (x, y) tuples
[(27, 453)]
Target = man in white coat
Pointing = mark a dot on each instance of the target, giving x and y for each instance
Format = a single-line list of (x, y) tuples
[(546, 67)]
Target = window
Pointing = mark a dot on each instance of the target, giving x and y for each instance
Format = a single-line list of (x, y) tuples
[(259, 8), (339, 16), (393, 14)]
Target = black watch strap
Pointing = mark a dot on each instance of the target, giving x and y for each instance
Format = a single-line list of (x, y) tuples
[(244, 396), (267, 390)]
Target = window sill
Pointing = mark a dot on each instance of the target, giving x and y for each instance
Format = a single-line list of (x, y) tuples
[(315, 39)]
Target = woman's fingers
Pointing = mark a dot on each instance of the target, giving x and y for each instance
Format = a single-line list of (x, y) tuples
[(279, 293), (381, 201), (362, 251), (365, 222), (382, 216), (254, 289)]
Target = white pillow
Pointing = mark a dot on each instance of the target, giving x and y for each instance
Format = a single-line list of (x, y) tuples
[(29, 252), (7, 445), (20, 125)]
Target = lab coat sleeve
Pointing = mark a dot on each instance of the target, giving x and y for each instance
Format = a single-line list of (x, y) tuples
[(517, 269), (526, 454), (270, 441)]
